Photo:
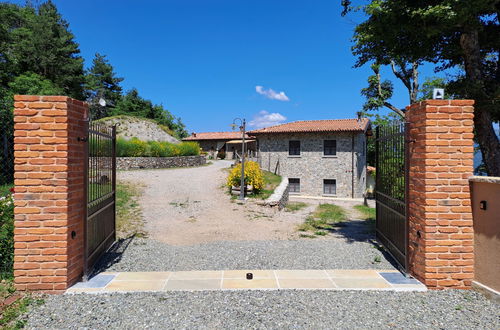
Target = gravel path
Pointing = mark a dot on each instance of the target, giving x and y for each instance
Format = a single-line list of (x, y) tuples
[(186, 206), (193, 225), (269, 310), (149, 255)]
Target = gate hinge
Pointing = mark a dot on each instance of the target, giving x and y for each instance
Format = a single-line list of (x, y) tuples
[(82, 139)]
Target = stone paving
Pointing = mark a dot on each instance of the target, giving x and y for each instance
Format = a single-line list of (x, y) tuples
[(336, 279)]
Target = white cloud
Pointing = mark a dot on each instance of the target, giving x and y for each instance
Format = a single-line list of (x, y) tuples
[(271, 94), (265, 119)]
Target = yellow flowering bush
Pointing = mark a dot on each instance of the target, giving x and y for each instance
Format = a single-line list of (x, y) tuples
[(253, 176)]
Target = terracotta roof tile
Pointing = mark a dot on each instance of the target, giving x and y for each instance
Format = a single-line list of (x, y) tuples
[(311, 126), (214, 136)]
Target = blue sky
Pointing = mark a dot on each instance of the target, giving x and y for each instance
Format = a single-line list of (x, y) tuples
[(203, 59)]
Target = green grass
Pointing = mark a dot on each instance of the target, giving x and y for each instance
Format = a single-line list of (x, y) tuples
[(10, 316), (369, 215), (271, 181), (128, 211), (307, 236), (368, 212), (323, 219), (295, 206), (5, 189)]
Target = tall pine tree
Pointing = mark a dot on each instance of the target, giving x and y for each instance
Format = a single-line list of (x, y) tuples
[(101, 82), (44, 45)]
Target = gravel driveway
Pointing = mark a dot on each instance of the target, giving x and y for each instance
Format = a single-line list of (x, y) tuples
[(225, 235), (186, 206), (269, 310), (149, 255), (192, 224)]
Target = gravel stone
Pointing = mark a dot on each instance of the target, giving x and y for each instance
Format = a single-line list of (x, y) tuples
[(138, 254), (277, 309)]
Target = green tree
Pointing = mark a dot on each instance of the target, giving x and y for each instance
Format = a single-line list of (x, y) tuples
[(101, 82), (458, 35), (426, 92), (132, 104), (43, 44), (33, 84)]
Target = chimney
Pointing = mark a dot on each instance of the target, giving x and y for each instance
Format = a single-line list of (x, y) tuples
[(193, 134), (360, 115)]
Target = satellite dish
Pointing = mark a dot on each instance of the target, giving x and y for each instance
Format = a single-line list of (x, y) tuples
[(102, 102), (438, 93)]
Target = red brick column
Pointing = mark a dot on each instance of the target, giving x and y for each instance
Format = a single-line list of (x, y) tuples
[(440, 215), (49, 214)]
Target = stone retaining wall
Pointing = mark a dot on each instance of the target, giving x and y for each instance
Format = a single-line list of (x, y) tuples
[(280, 196), (131, 163)]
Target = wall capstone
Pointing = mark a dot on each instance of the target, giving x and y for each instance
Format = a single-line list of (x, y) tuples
[(280, 195)]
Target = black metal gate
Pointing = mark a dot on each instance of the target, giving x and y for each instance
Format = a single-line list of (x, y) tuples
[(391, 190), (100, 172)]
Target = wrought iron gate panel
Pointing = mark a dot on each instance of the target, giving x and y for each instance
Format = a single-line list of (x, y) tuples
[(391, 190), (100, 186)]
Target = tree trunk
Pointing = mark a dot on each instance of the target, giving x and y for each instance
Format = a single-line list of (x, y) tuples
[(483, 124), (488, 141)]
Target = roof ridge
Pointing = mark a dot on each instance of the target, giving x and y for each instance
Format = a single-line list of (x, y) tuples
[(216, 132), (306, 121), (319, 125)]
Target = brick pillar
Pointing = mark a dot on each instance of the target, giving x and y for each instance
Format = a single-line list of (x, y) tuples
[(440, 215), (49, 168)]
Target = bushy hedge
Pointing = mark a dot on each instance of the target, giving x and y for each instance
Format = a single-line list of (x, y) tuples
[(253, 176), (137, 148), (6, 236)]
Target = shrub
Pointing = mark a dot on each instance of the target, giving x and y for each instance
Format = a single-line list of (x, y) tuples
[(137, 148), (189, 149), (253, 176), (6, 236), (156, 149)]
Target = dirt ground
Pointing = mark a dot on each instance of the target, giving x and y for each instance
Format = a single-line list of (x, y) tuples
[(187, 206)]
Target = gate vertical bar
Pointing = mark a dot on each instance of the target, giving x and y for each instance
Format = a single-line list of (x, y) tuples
[(407, 193), (113, 176), (377, 173), (86, 200)]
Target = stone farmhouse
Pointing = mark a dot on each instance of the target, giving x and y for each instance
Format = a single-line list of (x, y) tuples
[(319, 157), (222, 144)]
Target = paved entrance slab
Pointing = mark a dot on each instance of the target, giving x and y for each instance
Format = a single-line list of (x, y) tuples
[(334, 279)]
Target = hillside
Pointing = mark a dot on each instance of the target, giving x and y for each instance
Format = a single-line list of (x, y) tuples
[(141, 128)]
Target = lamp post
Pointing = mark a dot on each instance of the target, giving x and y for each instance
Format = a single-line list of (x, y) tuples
[(242, 182)]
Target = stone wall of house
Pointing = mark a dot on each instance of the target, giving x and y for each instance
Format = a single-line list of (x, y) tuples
[(208, 145), (130, 163), (312, 167)]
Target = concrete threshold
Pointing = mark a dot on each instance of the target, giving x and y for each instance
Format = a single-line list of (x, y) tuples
[(334, 279)]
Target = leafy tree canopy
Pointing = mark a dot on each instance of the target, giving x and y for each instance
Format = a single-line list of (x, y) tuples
[(33, 84), (39, 55), (459, 35)]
